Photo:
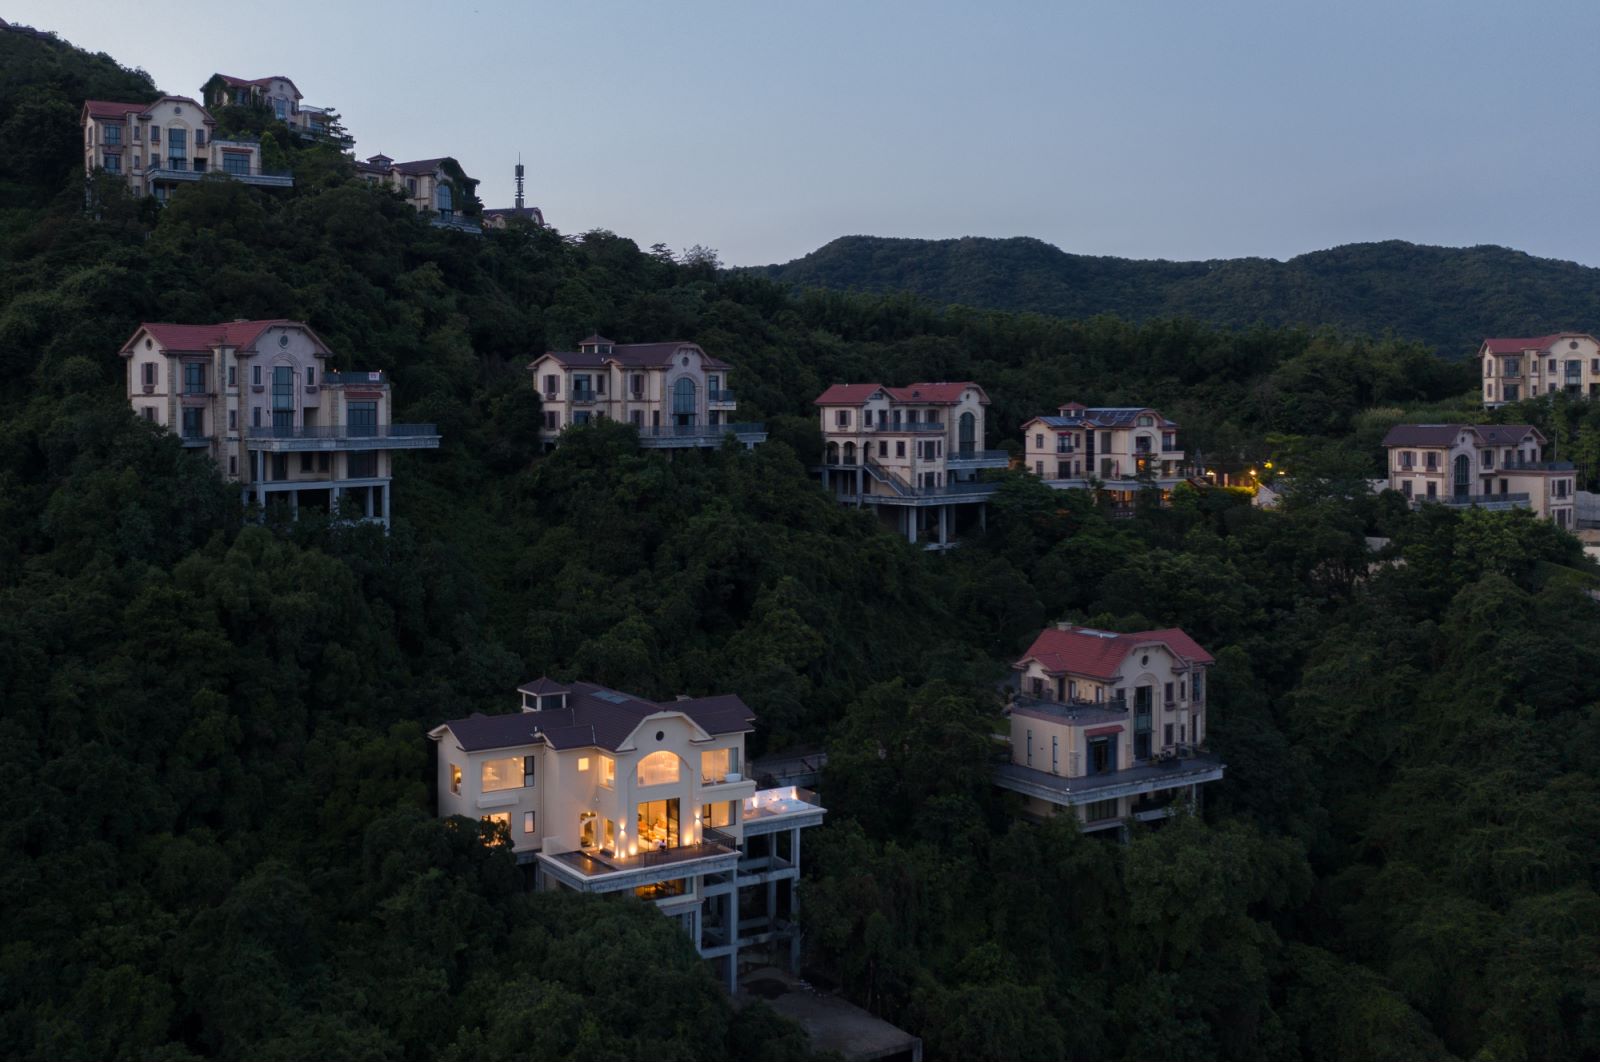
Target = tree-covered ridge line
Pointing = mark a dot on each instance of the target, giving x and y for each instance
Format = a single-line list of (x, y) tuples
[(220, 839), (1447, 298)]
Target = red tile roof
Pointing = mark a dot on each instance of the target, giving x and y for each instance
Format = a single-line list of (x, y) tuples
[(111, 108), (203, 337), (932, 394), (1098, 654), (1512, 345)]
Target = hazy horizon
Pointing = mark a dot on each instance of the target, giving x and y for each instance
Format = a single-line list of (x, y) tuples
[(1177, 133)]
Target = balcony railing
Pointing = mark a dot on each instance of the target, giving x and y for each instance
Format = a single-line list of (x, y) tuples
[(345, 431), (585, 398), (1481, 501), (332, 378), (1536, 466), (696, 431), (899, 426), (715, 396), (979, 455)]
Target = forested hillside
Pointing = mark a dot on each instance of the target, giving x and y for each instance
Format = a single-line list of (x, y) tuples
[(1448, 298), (218, 838)]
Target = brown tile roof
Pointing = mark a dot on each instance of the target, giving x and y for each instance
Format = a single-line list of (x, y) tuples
[(932, 394), (631, 355), (594, 717), (1439, 436), (111, 108), (1098, 654)]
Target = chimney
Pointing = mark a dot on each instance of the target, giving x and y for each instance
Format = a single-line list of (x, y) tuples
[(1063, 625)]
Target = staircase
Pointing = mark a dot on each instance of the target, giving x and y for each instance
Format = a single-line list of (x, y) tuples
[(886, 477)]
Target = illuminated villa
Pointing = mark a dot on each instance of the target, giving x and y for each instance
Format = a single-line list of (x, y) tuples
[(604, 792), (1119, 450), (1109, 727)]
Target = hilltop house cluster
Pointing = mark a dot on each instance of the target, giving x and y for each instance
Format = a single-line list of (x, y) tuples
[(156, 146), (1501, 466)]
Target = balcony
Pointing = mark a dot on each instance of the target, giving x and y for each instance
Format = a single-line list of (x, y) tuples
[(195, 442), (1193, 769), (456, 223), (966, 459), (596, 870), (585, 398), (345, 437), (684, 436), (1535, 466), (366, 379), (898, 427), (786, 808), (716, 398), (181, 170), (1492, 502)]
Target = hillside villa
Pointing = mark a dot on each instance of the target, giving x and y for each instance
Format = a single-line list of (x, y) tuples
[(1118, 450), (257, 398), (605, 792), (436, 188), (913, 453), (1107, 726), (276, 94), (156, 147), (1515, 369), (674, 393), (1491, 466)]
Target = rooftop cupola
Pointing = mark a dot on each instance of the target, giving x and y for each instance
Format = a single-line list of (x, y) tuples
[(543, 694), (595, 344)]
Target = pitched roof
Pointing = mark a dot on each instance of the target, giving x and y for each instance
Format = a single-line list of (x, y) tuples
[(1074, 415), (1513, 345), (1098, 654), (428, 166), (111, 108), (203, 337), (595, 717), (631, 355), (1444, 435), (240, 82), (942, 393)]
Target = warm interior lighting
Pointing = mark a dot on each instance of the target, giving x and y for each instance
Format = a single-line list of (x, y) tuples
[(608, 772), (658, 768), (583, 763), (502, 774)]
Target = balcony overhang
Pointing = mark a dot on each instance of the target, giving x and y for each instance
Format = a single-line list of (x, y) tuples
[(317, 438), (1069, 792), (599, 873)]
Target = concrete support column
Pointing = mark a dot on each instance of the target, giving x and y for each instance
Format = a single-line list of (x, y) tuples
[(733, 940), (944, 524), (368, 492), (794, 900), (983, 516), (385, 488), (337, 500), (911, 528), (294, 505)]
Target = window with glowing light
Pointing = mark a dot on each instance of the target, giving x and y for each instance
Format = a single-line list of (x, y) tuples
[(717, 764), (455, 779), (658, 768), (583, 763), (499, 819), (722, 813), (608, 772), (502, 774)]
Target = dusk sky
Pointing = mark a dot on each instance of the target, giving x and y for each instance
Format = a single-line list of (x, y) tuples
[(1149, 130)]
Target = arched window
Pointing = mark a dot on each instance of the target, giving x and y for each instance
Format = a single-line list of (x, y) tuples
[(849, 453), (1463, 476), (833, 453), (683, 397), (658, 768), (446, 202), (968, 434)]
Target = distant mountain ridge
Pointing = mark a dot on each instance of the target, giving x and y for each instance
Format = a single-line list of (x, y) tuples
[(1449, 297)]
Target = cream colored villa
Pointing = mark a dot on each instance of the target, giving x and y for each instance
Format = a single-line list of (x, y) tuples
[(1118, 449), (913, 452), (160, 146), (1515, 369), (606, 792), (276, 93), (256, 396), (1491, 466), (1108, 726), (675, 393), (428, 186)]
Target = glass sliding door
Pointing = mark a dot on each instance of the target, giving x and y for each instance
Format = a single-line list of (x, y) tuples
[(659, 825)]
